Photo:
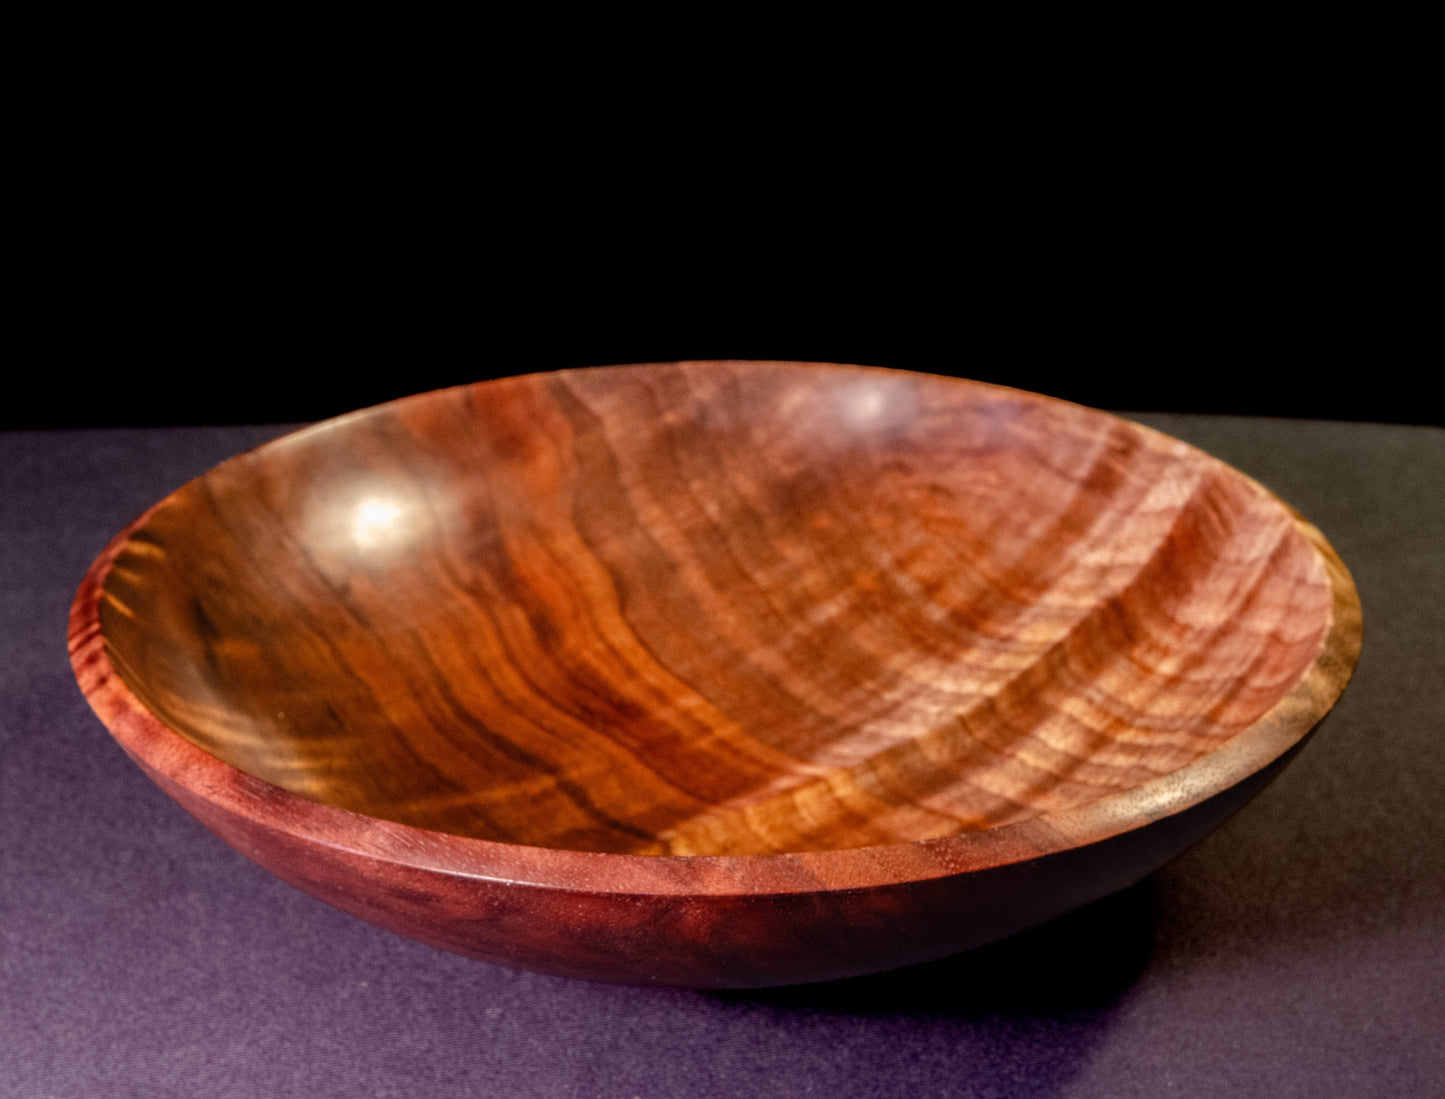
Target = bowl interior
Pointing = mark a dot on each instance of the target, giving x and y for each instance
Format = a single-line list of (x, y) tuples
[(715, 609)]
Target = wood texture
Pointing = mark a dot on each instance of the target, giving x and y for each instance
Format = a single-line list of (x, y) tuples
[(791, 628)]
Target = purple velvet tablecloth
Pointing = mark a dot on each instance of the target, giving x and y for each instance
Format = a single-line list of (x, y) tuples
[(1298, 951)]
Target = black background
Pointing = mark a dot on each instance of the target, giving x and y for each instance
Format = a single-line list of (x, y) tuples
[(174, 336), (241, 259)]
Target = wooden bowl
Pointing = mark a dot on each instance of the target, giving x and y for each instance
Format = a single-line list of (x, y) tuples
[(715, 674)]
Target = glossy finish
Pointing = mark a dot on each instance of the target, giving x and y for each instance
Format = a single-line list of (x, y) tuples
[(715, 673)]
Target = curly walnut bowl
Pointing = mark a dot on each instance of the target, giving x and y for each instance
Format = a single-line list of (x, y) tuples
[(715, 674)]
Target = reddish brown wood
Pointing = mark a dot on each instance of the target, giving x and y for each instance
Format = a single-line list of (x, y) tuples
[(715, 673)]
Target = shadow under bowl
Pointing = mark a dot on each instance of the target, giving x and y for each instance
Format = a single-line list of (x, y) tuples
[(715, 674)]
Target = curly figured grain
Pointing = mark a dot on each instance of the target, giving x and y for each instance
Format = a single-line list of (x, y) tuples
[(716, 609)]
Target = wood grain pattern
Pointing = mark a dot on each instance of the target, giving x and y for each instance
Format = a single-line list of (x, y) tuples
[(737, 630)]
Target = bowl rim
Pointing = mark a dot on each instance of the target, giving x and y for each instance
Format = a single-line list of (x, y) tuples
[(175, 762)]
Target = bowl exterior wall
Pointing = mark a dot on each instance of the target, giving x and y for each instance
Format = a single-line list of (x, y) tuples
[(747, 940)]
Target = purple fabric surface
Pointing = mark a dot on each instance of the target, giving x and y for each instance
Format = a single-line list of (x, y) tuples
[(1298, 951)]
